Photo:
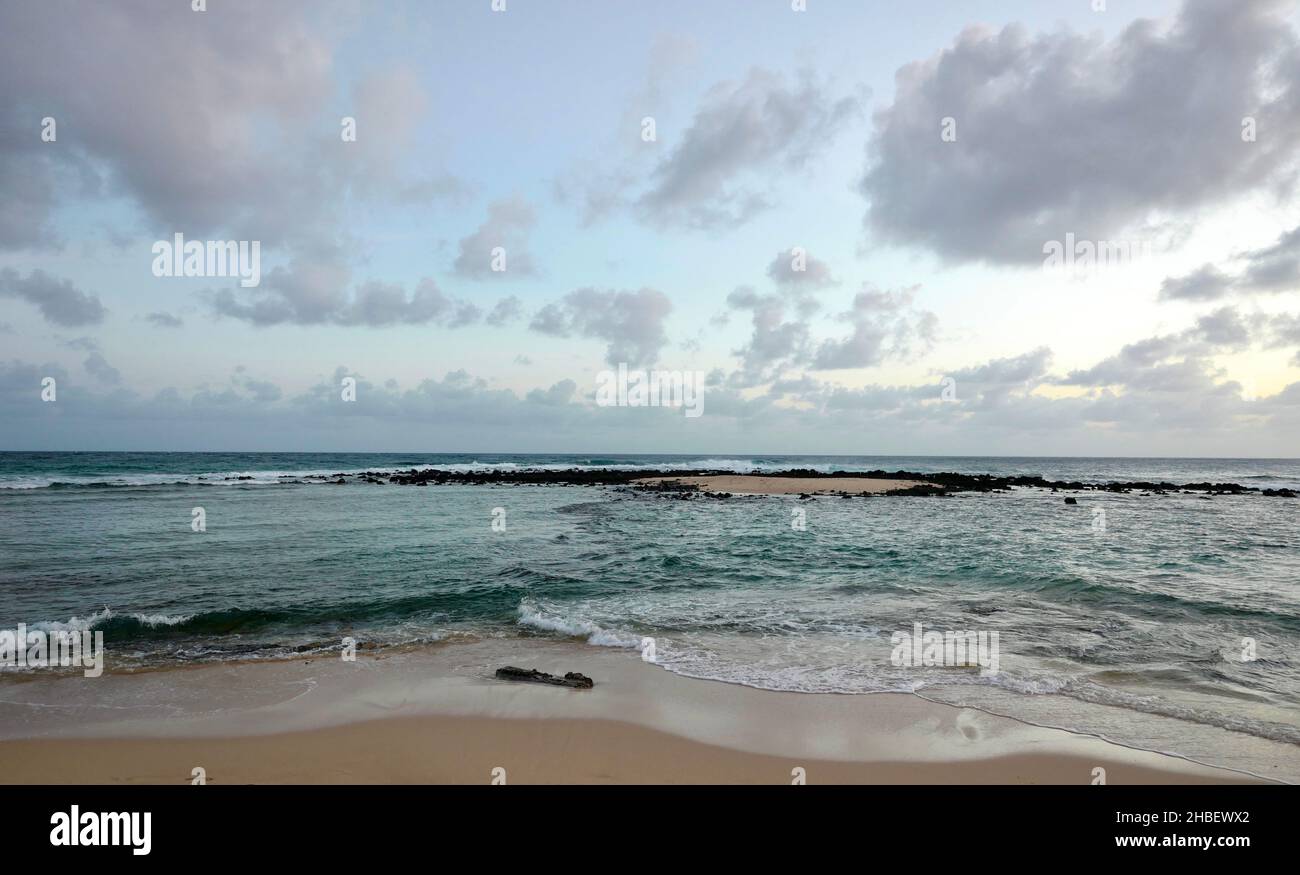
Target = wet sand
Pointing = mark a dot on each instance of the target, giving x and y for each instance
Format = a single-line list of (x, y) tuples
[(438, 716)]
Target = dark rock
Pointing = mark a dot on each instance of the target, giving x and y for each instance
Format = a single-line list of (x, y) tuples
[(532, 675), (920, 489), (943, 483), (1072, 501)]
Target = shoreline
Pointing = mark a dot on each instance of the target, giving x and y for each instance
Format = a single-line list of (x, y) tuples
[(437, 716), (469, 750)]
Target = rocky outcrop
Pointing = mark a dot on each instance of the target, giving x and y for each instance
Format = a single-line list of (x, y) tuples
[(940, 483)]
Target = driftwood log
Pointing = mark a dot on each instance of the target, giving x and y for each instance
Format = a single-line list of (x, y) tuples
[(532, 675)]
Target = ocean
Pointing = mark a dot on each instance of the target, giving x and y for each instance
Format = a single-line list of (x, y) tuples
[(1174, 625)]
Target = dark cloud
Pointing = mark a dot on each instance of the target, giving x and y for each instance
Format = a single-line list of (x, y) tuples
[(27, 179), (59, 301), (632, 323), (1061, 132)]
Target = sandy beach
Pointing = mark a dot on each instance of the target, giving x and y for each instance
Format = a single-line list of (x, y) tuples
[(757, 484), (436, 715)]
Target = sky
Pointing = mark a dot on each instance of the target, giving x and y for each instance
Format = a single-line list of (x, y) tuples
[(864, 227)]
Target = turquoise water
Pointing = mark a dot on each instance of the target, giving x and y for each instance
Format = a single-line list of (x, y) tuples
[(1135, 631)]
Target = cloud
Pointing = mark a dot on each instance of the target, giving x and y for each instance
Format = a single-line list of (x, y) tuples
[(260, 391), (1206, 283), (759, 123), (1224, 328), (314, 290), (1060, 132), (1284, 330), (560, 393), (224, 124), (884, 326), (95, 364), (59, 301), (1153, 403), (1270, 269), (1178, 362), (505, 311), (508, 225), (774, 342), (99, 368), (1274, 268), (795, 268), (632, 323), (165, 320), (28, 180), (378, 304), (1001, 373), (188, 161)]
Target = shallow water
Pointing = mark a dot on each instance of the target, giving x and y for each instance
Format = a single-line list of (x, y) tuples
[(1135, 631)]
